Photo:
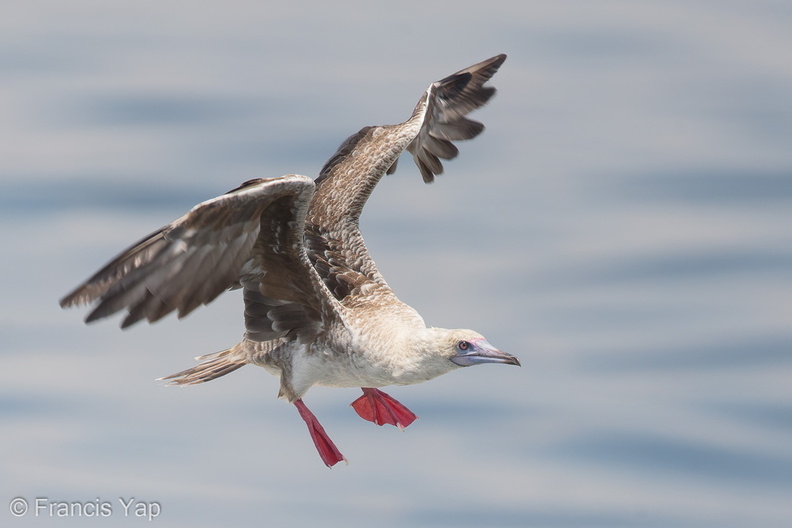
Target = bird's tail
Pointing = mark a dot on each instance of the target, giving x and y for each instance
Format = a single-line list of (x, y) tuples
[(212, 366)]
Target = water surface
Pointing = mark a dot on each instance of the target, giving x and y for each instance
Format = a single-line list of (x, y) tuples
[(623, 226)]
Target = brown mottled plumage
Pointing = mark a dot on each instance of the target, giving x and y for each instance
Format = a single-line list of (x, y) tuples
[(317, 310)]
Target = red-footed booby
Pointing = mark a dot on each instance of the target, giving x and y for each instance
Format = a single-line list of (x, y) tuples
[(317, 310)]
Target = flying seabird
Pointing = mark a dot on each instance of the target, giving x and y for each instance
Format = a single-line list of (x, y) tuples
[(317, 310)]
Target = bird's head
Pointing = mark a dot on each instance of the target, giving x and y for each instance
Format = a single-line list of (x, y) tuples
[(465, 348)]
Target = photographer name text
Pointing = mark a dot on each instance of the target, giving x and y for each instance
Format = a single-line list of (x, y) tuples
[(45, 507)]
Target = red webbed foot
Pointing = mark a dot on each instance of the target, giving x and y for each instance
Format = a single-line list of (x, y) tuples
[(376, 406), (326, 448)]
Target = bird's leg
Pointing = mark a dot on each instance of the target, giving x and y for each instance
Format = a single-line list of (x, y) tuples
[(327, 449), (376, 406)]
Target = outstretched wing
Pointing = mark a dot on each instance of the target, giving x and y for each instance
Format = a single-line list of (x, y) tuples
[(251, 236), (335, 244), (444, 121)]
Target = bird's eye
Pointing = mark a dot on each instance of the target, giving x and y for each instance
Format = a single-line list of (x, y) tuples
[(463, 345)]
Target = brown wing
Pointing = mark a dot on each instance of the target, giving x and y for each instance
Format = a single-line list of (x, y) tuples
[(448, 102), (251, 236), (335, 244)]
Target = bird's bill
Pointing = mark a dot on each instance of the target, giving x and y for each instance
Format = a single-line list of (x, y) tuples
[(483, 352)]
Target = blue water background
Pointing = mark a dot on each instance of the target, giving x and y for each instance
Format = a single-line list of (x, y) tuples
[(624, 226)]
